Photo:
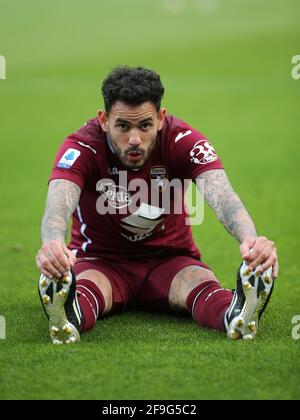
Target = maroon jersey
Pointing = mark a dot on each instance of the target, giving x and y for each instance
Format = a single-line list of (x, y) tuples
[(111, 219)]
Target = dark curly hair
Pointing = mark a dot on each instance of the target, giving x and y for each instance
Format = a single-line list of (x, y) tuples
[(132, 85)]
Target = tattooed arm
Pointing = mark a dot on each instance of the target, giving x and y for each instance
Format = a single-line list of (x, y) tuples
[(63, 197), (229, 209), (219, 194), (54, 259)]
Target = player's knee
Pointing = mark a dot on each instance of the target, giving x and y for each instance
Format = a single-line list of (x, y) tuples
[(106, 290), (184, 282), (103, 283)]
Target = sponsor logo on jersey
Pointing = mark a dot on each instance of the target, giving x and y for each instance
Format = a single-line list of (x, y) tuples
[(203, 153), (159, 177), (182, 135), (117, 196), (68, 159), (143, 223)]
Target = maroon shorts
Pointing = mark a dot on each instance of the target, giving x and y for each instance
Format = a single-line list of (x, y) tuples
[(142, 284)]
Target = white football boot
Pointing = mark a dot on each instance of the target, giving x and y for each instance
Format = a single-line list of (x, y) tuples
[(251, 297), (60, 303)]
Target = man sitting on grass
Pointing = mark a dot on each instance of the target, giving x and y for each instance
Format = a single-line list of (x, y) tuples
[(131, 242)]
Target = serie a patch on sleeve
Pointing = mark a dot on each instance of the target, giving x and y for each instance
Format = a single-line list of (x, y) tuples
[(68, 159)]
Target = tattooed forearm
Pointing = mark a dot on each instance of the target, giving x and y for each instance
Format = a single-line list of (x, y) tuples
[(63, 197), (218, 193)]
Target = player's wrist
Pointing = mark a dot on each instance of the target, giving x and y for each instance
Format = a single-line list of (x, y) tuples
[(53, 240), (249, 238)]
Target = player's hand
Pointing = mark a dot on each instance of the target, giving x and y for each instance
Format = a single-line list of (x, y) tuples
[(54, 259), (261, 250)]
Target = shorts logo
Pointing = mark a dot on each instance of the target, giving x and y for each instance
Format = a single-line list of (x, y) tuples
[(117, 196), (203, 153), (159, 176), (68, 159)]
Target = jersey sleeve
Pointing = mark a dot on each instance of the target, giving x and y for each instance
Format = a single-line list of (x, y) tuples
[(192, 153), (73, 162)]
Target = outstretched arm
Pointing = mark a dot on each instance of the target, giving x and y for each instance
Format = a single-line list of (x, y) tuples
[(219, 194), (54, 259)]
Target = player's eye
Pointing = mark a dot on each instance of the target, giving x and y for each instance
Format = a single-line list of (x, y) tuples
[(123, 127), (145, 126)]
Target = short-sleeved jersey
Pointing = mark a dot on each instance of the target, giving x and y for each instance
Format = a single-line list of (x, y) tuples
[(116, 215)]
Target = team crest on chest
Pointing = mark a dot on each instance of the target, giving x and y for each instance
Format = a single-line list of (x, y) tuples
[(159, 177)]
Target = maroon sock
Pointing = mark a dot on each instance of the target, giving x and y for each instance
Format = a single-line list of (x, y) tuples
[(91, 301), (208, 303)]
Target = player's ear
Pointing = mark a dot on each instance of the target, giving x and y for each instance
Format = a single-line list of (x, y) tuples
[(161, 118), (103, 120)]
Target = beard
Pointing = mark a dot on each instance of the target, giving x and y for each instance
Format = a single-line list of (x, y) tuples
[(143, 154)]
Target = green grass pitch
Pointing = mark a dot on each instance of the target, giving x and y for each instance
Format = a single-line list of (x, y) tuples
[(227, 71)]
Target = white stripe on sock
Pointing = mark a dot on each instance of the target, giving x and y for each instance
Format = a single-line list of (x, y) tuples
[(77, 311), (95, 299), (196, 298), (200, 293), (212, 293), (82, 294)]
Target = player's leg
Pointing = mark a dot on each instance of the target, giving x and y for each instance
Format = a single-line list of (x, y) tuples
[(214, 307), (197, 290), (94, 295), (184, 284)]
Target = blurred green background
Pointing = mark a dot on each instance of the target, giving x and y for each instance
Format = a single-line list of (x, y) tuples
[(226, 66)]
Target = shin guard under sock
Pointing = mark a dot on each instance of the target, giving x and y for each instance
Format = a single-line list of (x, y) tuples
[(208, 303), (91, 301)]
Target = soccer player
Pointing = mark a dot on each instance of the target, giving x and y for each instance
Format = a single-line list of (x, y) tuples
[(129, 250)]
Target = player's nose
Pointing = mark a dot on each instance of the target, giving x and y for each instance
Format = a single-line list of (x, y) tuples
[(134, 139)]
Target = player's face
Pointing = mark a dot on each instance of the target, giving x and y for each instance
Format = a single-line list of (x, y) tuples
[(133, 131)]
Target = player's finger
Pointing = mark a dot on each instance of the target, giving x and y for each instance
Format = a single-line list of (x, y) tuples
[(62, 262), (246, 248), (42, 270), (262, 258), (37, 261), (48, 266), (52, 256), (46, 273), (71, 257), (276, 269), (257, 249), (268, 263)]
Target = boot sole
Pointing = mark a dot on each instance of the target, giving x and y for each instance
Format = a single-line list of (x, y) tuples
[(257, 289), (60, 329)]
